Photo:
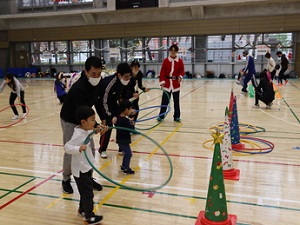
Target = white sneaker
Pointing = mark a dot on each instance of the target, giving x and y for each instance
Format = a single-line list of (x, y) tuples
[(103, 155), (24, 115), (15, 117), (256, 106)]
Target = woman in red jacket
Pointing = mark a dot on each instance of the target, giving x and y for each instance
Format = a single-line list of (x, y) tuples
[(170, 77)]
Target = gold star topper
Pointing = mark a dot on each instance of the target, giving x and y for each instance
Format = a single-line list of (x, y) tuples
[(218, 137)]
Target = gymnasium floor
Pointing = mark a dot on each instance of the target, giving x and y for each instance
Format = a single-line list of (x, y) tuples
[(266, 194)]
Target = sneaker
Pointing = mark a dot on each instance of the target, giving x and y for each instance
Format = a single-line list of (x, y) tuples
[(286, 81), (178, 120), (238, 82), (24, 115), (103, 155), (93, 220), (269, 105), (120, 152), (66, 186), (80, 213), (279, 85), (97, 186), (127, 171), (244, 93), (256, 106), (159, 119), (15, 117)]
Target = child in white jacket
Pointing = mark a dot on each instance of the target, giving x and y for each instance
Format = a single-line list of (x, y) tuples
[(81, 168)]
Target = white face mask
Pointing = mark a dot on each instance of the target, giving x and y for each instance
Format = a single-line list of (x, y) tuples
[(94, 81), (124, 82)]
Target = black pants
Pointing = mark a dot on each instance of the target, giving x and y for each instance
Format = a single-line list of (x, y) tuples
[(104, 139), (135, 105), (165, 101), (281, 75), (85, 187), (260, 96), (12, 99)]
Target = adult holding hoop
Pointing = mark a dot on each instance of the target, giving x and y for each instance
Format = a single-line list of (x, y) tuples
[(17, 91), (170, 77)]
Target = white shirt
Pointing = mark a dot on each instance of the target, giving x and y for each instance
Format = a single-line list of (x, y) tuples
[(271, 64), (79, 161)]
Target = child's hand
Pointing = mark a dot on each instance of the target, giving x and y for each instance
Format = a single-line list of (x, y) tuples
[(136, 95), (101, 129), (82, 148), (133, 112), (114, 120), (147, 89)]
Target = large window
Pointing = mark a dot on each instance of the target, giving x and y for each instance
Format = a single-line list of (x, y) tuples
[(224, 49)]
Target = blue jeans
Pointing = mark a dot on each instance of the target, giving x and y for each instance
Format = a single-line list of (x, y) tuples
[(127, 155)]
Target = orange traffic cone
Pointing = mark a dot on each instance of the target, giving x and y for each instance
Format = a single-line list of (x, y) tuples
[(229, 172), (235, 130), (216, 206), (277, 92)]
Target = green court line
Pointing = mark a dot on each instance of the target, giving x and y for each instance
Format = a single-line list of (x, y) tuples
[(157, 192), (120, 206), (291, 110)]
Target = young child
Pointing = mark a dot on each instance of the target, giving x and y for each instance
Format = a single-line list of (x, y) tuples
[(17, 91), (81, 169), (60, 88), (123, 138)]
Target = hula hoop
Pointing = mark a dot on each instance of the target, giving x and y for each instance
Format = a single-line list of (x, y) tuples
[(251, 151), (86, 141), (165, 114), (153, 117), (17, 121), (244, 128)]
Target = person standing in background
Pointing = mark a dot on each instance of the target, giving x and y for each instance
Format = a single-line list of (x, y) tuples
[(270, 65), (284, 63), (60, 88), (170, 77), (248, 71)]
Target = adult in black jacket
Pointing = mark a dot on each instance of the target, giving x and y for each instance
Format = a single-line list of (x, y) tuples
[(83, 92), (264, 91), (284, 64), (111, 91)]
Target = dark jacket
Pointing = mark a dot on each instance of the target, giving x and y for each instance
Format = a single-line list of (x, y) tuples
[(130, 88), (284, 62), (265, 87), (111, 91), (81, 93), (123, 136)]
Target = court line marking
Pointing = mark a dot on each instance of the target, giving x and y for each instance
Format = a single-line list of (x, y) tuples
[(27, 191)]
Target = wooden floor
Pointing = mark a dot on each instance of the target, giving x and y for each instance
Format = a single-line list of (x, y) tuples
[(266, 194)]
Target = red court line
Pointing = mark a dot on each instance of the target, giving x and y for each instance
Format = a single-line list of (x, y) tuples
[(29, 143), (26, 192), (174, 155)]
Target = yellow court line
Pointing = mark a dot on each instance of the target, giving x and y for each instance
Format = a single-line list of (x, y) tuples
[(56, 201), (111, 193)]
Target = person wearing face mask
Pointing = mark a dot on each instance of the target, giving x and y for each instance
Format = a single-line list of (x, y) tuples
[(170, 77), (83, 92), (135, 83), (112, 90)]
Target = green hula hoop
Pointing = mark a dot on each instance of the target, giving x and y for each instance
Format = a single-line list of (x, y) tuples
[(86, 141)]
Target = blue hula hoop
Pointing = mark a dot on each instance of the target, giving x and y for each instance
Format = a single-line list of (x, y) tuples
[(153, 117)]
